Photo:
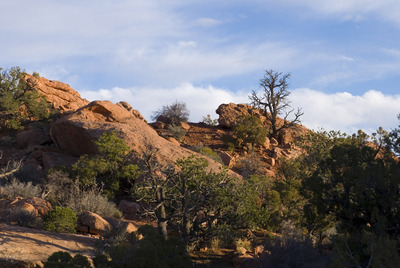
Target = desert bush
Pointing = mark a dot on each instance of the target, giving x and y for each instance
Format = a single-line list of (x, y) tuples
[(92, 200), (209, 121), (244, 243), (22, 217), (173, 113), (62, 259), (207, 151), (16, 188), (63, 191), (250, 165), (60, 220), (176, 131)]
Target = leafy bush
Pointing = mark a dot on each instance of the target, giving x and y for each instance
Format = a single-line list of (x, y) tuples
[(16, 188), (173, 113), (62, 259), (60, 220), (177, 132), (249, 130), (112, 167), (209, 121), (19, 101)]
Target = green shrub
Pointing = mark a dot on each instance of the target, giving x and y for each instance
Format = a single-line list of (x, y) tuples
[(177, 132), (60, 220), (207, 151), (62, 259), (112, 167), (19, 100), (209, 122)]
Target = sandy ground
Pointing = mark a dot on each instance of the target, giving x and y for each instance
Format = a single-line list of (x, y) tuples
[(30, 245)]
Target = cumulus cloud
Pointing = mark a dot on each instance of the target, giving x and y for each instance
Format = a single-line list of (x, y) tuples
[(335, 111), (347, 112)]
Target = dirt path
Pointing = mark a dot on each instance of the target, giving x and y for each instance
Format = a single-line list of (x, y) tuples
[(31, 245)]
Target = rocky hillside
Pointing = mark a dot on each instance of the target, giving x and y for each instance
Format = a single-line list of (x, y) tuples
[(44, 145)]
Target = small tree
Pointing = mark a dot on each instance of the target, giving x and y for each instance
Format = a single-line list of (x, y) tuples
[(19, 101), (173, 114), (112, 166), (249, 130), (274, 101)]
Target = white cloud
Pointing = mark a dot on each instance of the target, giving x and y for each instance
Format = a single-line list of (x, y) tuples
[(356, 10), (207, 22), (337, 111), (346, 112)]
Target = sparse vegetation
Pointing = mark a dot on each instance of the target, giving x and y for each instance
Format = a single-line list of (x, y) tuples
[(209, 121), (172, 114), (15, 188), (274, 101), (177, 132)]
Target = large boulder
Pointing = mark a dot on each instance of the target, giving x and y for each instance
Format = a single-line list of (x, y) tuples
[(60, 95), (229, 113), (75, 133), (91, 223), (34, 205)]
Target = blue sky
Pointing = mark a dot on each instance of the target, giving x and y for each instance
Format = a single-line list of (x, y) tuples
[(344, 55)]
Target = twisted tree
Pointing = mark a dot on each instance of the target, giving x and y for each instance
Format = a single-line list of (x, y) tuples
[(274, 101)]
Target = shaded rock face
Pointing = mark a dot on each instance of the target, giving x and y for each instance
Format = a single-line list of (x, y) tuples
[(75, 133), (61, 96)]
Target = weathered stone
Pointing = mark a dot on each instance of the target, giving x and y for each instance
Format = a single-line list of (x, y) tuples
[(91, 223), (274, 142), (159, 125), (285, 137), (267, 143), (258, 250), (241, 250), (61, 96), (131, 210), (184, 125), (270, 161), (173, 141), (227, 159)]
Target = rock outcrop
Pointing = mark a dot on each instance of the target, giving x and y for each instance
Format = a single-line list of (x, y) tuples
[(229, 115), (60, 95), (75, 133), (91, 223)]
